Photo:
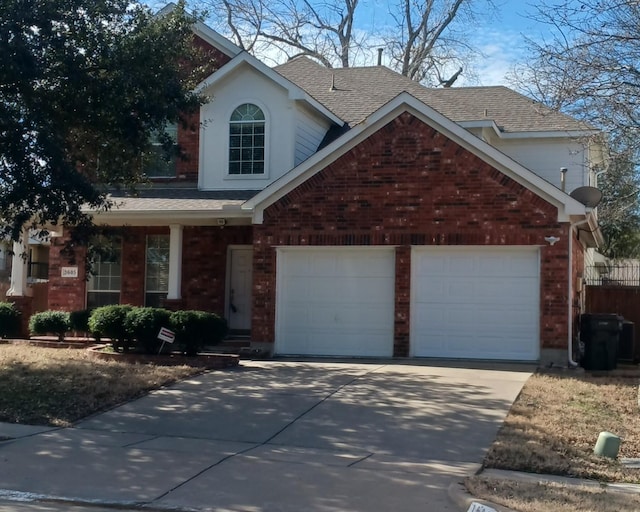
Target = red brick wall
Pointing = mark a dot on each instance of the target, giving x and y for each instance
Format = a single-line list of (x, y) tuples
[(65, 293), (134, 247), (204, 264), (409, 185), (189, 128)]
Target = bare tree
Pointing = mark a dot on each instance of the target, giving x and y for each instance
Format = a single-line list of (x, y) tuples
[(618, 214), (323, 31), (426, 40), (589, 67)]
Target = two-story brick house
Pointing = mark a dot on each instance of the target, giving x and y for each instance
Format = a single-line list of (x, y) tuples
[(353, 212)]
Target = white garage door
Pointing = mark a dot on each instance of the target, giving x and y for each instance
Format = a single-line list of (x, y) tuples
[(471, 302), (335, 301)]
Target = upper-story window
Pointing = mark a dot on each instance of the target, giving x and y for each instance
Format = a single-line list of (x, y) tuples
[(159, 163), (246, 140)]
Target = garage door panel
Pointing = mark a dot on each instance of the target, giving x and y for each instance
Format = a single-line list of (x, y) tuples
[(335, 301), (339, 291), (337, 264), (350, 316), (470, 318), (506, 291), (475, 302), (331, 345), (487, 347), (512, 264)]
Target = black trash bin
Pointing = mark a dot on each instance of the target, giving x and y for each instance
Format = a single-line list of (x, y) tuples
[(627, 349), (600, 334)]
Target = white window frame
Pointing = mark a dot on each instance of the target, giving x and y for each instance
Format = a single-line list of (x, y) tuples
[(111, 277), (265, 169), (147, 290)]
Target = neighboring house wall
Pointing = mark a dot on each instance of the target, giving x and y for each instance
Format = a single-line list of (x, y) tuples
[(545, 157), (246, 85), (578, 279), (408, 185)]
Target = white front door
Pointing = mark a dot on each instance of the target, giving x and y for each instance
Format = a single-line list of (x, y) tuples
[(239, 289)]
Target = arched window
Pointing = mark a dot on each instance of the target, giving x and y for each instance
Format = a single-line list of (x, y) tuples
[(246, 140)]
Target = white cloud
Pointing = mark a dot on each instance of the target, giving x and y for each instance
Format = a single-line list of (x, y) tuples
[(500, 50)]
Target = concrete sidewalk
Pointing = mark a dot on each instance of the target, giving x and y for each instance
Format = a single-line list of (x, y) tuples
[(275, 436)]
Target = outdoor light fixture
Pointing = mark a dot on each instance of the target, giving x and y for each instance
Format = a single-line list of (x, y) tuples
[(551, 240)]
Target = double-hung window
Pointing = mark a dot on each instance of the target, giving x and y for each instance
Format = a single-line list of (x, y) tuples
[(246, 140), (157, 270), (103, 287), (159, 163)]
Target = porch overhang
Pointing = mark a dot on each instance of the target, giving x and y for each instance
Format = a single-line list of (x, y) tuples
[(165, 206)]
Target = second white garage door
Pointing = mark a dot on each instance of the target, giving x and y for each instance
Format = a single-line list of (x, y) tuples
[(475, 302), (335, 301)]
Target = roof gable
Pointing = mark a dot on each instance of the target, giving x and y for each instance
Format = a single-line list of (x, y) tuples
[(404, 102), (295, 92)]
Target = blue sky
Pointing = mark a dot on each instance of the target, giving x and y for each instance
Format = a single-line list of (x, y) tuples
[(502, 41)]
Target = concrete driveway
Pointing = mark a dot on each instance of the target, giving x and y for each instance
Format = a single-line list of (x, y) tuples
[(277, 436)]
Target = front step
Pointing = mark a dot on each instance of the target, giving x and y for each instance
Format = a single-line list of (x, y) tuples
[(240, 346)]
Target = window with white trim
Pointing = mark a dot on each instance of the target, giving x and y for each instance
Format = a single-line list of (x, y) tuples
[(157, 270), (103, 287), (246, 140)]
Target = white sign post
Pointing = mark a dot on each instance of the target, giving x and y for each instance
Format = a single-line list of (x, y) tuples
[(166, 336)]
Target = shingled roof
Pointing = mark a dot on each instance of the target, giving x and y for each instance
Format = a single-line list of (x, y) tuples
[(183, 199), (355, 93)]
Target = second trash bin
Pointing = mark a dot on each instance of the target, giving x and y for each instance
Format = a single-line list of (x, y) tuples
[(600, 335)]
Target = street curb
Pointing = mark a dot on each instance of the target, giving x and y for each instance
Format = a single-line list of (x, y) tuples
[(463, 499)]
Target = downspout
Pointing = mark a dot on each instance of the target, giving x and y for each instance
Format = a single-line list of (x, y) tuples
[(572, 363)]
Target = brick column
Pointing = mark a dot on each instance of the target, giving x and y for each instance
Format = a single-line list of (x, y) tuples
[(402, 323)]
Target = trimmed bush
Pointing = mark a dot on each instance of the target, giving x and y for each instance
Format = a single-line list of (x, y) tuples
[(143, 324), (9, 319), (79, 320), (50, 322), (108, 322), (194, 329)]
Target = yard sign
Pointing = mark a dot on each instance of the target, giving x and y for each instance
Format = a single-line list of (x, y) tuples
[(166, 336)]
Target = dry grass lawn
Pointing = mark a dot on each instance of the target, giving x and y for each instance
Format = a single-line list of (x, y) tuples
[(552, 429), (554, 424), (45, 386)]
